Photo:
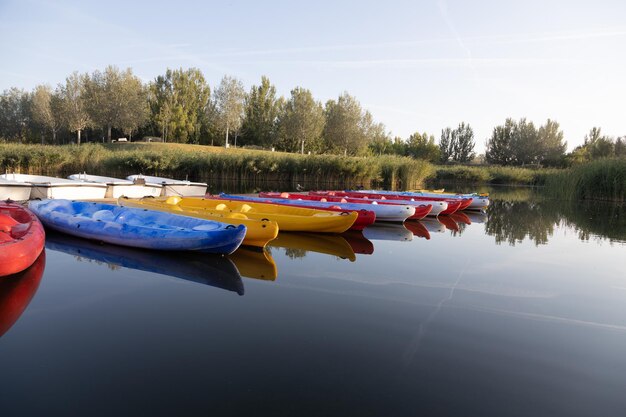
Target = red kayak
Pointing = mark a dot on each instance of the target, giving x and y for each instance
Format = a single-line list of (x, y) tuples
[(421, 210), (17, 290), (453, 204), (22, 238)]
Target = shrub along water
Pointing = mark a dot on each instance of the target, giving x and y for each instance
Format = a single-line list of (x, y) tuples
[(214, 165)]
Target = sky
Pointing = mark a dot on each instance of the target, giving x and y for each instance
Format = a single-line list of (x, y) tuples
[(415, 65)]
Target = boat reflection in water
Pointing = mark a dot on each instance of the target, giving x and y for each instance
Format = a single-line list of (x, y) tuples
[(254, 263), (477, 217), (418, 229), (449, 223), (203, 268), (359, 243), (297, 244), (16, 292), (433, 225), (388, 231), (461, 218)]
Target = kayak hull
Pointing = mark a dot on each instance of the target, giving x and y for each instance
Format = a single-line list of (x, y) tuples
[(22, 238), (138, 228)]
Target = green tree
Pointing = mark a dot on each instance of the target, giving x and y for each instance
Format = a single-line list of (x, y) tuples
[(178, 102), (74, 103), (343, 129), (499, 149), (423, 146), (551, 143), (229, 99), (260, 115), (525, 146), (15, 114), (598, 145), (463, 143), (116, 99), (301, 122), (620, 147), (47, 110), (446, 145)]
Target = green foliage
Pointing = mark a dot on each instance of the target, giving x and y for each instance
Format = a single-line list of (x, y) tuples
[(520, 143), (261, 112), (15, 115), (422, 146), (300, 123), (492, 175), (344, 130), (229, 102), (178, 104)]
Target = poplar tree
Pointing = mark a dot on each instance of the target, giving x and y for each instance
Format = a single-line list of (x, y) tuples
[(74, 104), (46, 110), (229, 99), (260, 115), (300, 122)]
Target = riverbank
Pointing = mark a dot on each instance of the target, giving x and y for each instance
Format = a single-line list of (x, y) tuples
[(599, 180)]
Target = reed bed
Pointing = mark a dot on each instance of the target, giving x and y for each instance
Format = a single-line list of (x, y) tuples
[(214, 165), (492, 175), (603, 179)]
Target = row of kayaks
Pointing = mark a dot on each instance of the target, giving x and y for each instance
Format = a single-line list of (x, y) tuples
[(214, 224)]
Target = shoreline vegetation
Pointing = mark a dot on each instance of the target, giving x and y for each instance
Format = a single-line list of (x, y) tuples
[(603, 179)]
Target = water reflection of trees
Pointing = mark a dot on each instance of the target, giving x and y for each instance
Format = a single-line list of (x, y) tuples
[(535, 219), (514, 221)]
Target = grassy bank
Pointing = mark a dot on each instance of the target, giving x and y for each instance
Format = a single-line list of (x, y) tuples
[(214, 164), (604, 179)]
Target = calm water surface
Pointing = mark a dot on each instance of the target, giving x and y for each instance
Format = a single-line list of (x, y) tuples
[(520, 312)]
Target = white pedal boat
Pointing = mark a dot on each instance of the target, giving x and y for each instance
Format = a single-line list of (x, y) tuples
[(44, 187), (172, 187), (117, 187)]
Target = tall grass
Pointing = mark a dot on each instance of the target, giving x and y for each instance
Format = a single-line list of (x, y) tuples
[(491, 175), (214, 165), (603, 179)]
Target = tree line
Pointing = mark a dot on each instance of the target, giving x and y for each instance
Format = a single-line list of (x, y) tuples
[(180, 106)]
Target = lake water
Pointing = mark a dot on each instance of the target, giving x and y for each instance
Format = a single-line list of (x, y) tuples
[(520, 312)]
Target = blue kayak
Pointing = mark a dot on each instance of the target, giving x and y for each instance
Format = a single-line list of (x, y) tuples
[(138, 228)]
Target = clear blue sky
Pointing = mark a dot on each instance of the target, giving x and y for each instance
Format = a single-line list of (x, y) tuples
[(416, 65)]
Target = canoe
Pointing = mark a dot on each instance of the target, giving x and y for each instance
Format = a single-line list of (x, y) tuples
[(291, 219), (453, 204), (117, 187), (138, 228), (22, 238), (43, 187), (203, 268), (17, 291), (14, 190), (385, 212), (258, 232), (172, 187), (300, 243), (365, 217), (479, 201)]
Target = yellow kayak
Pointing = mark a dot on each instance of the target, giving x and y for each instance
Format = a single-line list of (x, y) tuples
[(258, 233), (334, 245), (289, 219)]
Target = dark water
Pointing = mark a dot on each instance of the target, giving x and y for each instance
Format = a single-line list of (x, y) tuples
[(521, 312)]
